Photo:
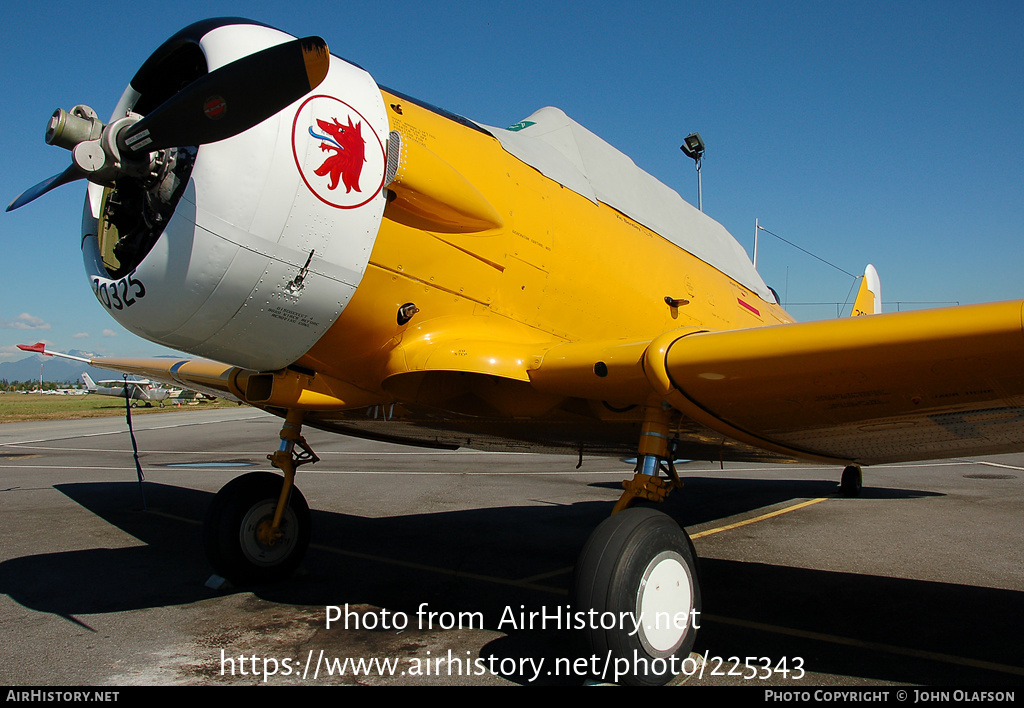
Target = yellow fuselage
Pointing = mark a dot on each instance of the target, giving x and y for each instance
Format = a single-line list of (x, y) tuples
[(543, 266)]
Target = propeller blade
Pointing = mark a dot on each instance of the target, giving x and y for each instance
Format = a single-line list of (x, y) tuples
[(233, 98), (71, 174)]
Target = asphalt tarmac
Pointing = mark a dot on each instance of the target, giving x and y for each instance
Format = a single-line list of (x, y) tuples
[(427, 567)]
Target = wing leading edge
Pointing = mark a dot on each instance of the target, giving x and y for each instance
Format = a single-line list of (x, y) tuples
[(209, 377), (201, 375), (884, 388), (914, 385)]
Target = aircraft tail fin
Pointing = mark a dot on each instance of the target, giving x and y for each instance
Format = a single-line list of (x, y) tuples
[(869, 297), (89, 383)]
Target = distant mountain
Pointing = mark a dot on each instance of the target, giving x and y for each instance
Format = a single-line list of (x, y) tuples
[(54, 369)]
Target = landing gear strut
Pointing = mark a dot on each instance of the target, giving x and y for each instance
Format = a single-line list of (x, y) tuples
[(638, 573), (258, 526)]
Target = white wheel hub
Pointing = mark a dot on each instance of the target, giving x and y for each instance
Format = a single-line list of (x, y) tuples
[(664, 601)]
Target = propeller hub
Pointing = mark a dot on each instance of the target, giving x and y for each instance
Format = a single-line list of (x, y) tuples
[(88, 155), (67, 129), (95, 148), (213, 107)]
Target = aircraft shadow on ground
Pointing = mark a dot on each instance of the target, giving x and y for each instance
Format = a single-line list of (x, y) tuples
[(709, 498), (477, 560)]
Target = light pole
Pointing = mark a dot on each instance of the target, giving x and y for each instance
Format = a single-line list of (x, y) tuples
[(693, 148)]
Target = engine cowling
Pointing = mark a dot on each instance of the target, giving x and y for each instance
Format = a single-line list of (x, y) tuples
[(244, 250)]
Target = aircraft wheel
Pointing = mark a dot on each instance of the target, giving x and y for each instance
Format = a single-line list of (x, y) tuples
[(234, 519), (161, 404), (639, 564), (851, 482), (134, 404)]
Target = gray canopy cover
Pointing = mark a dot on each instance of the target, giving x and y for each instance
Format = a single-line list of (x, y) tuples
[(563, 150)]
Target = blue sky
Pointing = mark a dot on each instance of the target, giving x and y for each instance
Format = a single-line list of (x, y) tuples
[(888, 133)]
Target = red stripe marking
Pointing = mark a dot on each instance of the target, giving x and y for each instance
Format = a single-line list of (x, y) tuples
[(752, 309)]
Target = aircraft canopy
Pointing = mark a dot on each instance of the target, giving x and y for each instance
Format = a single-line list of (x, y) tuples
[(565, 151)]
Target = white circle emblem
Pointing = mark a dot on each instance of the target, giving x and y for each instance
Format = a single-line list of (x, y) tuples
[(338, 154)]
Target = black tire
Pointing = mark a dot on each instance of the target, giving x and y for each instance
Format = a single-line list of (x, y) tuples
[(851, 482), (614, 574), (229, 533)]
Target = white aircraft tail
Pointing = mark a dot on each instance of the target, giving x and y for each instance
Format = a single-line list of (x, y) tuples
[(869, 297), (89, 383)]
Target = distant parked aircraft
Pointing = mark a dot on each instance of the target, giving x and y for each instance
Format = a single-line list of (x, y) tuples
[(139, 389)]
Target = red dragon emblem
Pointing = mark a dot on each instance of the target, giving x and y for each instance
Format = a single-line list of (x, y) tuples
[(348, 149), (333, 145)]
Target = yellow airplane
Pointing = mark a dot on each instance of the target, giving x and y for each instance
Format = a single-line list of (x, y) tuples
[(347, 257)]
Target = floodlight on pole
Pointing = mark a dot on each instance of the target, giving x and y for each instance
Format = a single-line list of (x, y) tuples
[(693, 148)]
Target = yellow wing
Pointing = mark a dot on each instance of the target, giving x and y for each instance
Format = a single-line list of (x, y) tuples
[(283, 389), (202, 375), (883, 388)]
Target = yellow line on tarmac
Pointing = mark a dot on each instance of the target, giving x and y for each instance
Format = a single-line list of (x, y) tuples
[(175, 517), (845, 641), (873, 646), (524, 583), (762, 517), (775, 629), (442, 571), (530, 582)]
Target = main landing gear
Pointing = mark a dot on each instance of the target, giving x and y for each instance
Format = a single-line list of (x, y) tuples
[(851, 482), (258, 526), (638, 574)]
